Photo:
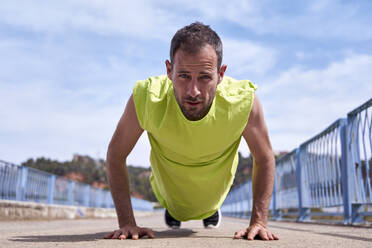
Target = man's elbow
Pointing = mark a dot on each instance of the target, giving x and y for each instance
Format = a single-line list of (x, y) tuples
[(114, 157), (266, 159)]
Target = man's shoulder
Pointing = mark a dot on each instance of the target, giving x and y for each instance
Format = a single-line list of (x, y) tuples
[(153, 90), (149, 94)]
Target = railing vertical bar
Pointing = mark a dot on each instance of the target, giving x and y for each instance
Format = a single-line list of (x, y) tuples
[(346, 179), (367, 181), (52, 181)]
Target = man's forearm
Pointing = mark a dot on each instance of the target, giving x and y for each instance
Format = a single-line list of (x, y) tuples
[(262, 184), (119, 185)]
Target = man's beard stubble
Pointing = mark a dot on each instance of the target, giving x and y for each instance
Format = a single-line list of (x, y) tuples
[(191, 115)]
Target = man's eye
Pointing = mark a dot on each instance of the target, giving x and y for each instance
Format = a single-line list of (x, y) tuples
[(205, 77), (183, 76)]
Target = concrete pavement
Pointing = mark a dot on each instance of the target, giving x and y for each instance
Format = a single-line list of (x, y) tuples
[(89, 233)]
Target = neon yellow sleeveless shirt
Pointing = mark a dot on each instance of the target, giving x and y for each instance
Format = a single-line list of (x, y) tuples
[(193, 162)]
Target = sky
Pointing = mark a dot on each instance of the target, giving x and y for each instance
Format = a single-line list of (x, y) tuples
[(67, 68)]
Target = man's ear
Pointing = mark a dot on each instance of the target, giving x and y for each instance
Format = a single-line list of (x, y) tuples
[(221, 73), (169, 69)]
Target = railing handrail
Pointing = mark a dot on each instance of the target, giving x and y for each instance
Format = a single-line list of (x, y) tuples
[(286, 156), (360, 108), (331, 127)]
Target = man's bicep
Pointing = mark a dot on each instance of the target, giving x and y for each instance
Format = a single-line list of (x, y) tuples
[(256, 133), (127, 132)]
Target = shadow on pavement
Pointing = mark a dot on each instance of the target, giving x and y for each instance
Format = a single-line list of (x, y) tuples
[(176, 233), (184, 232), (59, 238)]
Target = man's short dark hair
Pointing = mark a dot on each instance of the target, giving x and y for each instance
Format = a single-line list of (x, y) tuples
[(193, 37)]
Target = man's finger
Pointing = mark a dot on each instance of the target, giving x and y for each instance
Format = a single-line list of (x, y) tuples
[(146, 231), (252, 233), (116, 235), (275, 237), (263, 234), (133, 232), (270, 235), (150, 233), (123, 234), (240, 234), (134, 235), (109, 235)]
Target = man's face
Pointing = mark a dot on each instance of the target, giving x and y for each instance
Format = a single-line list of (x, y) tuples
[(195, 78)]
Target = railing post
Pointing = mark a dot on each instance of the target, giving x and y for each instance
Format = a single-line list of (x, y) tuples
[(245, 199), (242, 195), (250, 198), (350, 147), (234, 206), (87, 196), (52, 180), (21, 184), (303, 213), (275, 214), (345, 175), (99, 198), (109, 199), (111, 202), (71, 188), (107, 203)]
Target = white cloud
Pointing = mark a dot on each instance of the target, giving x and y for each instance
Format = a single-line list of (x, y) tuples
[(112, 17), (340, 77), (158, 19), (300, 102), (313, 19), (248, 58), (49, 121), (39, 120), (56, 101)]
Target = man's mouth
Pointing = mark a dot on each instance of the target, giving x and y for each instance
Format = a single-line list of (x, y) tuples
[(193, 103)]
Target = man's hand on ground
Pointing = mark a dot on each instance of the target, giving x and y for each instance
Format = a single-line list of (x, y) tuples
[(133, 232), (253, 230)]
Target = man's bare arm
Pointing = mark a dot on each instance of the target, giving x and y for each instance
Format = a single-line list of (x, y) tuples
[(257, 138), (125, 137)]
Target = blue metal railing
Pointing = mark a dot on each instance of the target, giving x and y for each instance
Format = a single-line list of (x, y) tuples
[(319, 171), (286, 194), (23, 183), (359, 150), (331, 170), (238, 201)]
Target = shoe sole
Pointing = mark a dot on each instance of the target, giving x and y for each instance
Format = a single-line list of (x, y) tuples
[(218, 223), (171, 227)]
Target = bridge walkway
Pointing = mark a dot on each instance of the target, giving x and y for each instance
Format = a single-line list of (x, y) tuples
[(88, 233)]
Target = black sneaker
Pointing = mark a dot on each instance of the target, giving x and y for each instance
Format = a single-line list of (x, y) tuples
[(213, 221), (170, 221)]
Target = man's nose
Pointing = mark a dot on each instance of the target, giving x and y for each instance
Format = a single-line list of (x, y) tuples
[(193, 88)]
